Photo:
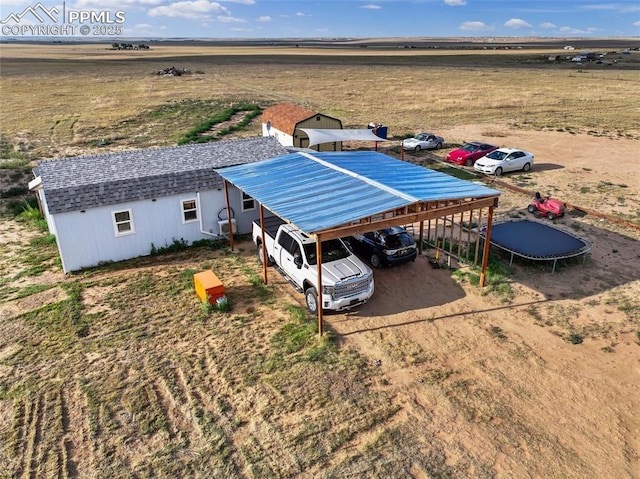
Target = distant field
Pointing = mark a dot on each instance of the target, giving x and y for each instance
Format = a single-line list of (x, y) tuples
[(60, 97)]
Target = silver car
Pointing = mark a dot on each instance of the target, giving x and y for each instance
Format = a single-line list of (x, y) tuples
[(423, 141)]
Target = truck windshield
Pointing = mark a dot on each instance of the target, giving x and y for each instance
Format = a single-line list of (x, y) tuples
[(332, 250)]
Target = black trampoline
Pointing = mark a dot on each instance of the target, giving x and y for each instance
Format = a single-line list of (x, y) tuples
[(536, 241)]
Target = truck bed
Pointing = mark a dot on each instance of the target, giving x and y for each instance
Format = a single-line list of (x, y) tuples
[(271, 225)]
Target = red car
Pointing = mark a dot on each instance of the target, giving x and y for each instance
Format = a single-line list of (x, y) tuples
[(469, 153), (547, 206)]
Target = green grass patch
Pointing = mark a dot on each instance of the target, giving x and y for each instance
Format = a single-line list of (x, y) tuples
[(198, 134), (33, 289), (298, 339), (39, 255), (455, 172), (497, 280), (10, 157), (60, 324)]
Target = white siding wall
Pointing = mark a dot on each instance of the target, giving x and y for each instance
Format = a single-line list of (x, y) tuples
[(45, 212), (87, 239), (282, 137)]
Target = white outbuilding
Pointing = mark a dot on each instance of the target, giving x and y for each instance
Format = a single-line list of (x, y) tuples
[(116, 206), (286, 122)]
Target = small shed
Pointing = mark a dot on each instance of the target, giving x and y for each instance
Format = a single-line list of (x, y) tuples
[(286, 121)]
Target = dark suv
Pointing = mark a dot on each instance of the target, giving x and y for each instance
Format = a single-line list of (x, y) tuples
[(386, 247)]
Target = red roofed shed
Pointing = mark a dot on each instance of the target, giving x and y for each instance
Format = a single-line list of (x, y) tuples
[(285, 120)]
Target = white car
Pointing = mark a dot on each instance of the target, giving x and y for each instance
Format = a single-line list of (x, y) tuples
[(504, 159), (423, 141)]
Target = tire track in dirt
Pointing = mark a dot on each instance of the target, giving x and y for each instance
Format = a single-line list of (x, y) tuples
[(177, 423), (273, 447), (32, 436), (253, 440), (76, 444), (19, 433), (67, 450)]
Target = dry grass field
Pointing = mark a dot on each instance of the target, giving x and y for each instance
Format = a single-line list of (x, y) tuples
[(120, 372)]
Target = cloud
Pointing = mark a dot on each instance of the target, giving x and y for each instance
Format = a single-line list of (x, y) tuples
[(144, 30), (223, 19), (577, 31), (121, 5), (517, 23), (300, 14), (475, 27), (193, 10), (371, 7), (619, 7), (456, 3), (636, 24), (264, 18), (547, 25)]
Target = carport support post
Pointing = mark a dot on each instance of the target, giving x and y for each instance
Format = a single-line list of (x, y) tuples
[(263, 245), (320, 289), (226, 196), (487, 243)]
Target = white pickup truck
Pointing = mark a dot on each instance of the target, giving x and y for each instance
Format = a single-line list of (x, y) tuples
[(346, 281)]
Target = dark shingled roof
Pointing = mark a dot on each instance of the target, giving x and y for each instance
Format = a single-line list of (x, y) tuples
[(83, 182)]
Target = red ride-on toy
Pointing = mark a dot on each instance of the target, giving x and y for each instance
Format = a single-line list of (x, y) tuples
[(546, 206)]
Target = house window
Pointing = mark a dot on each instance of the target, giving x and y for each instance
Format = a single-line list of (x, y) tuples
[(248, 203), (189, 211), (123, 222)]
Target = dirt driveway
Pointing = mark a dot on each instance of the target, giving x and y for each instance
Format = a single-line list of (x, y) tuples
[(512, 366)]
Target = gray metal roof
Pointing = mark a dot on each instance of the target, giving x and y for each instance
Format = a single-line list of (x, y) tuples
[(317, 191), (83, 182)]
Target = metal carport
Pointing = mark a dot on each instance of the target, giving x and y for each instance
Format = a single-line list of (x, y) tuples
[(335, 194)]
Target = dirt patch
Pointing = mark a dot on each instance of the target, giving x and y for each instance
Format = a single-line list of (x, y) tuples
[(15, 308), (234, 120)]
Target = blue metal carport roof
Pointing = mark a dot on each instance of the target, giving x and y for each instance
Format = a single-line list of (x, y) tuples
[(320, 190)]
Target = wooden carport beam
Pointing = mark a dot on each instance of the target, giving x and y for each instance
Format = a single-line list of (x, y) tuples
[(487, 244), (422, 215), (226, 197), (320, 298), (263, 246)]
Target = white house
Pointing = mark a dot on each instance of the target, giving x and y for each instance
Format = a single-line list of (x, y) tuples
[(114, 206)]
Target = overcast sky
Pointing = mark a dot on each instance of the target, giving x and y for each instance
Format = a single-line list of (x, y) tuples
[(354, 18)]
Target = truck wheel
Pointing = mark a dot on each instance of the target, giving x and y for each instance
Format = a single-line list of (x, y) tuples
[(260, 258), (311, 297), (375, 261)]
